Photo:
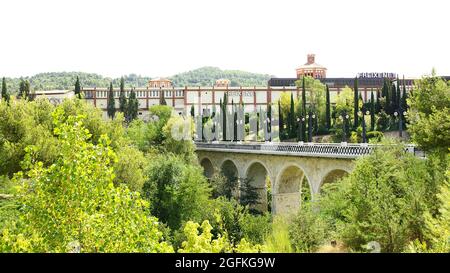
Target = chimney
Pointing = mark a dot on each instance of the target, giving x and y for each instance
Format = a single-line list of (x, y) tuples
[(311, 58)]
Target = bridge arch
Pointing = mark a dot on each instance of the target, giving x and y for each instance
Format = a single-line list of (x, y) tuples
[(230, 170), (288, 186), (333, 176), (208, 168), (258, 172)]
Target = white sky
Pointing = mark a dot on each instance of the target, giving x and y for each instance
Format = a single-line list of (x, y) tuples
[(161, 38)]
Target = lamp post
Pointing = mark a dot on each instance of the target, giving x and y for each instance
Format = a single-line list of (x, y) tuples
[(400, 115), (345, 118), (363, 124), (300, 128)]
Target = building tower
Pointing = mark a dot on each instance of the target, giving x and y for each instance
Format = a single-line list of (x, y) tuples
[(159, 83), (312, 69)]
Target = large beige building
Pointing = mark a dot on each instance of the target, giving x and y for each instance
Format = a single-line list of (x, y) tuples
[(202, 99)]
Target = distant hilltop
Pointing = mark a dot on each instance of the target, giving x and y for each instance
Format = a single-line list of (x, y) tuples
[(204, 76)]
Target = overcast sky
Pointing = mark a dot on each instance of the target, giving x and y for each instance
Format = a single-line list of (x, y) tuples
[(162, 38)]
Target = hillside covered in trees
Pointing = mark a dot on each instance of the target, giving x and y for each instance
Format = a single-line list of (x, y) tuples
[(205, 76)]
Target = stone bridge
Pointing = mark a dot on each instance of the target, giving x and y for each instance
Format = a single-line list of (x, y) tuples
[(283, 166)]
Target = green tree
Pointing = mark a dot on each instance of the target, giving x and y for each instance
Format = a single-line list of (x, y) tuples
[(372, 112), (249, 194), (307, 230), (328, 109), (111, 102), (292, 126), (177, 191), (355, 104), (73, 206), (5, 94), (122, 97), (429, 114), (78, 88), (132, 107), (24, 89), (162, 99), (383, 200), (193, 109)]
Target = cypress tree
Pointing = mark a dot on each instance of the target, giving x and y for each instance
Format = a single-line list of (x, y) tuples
[(372, 112), (78, 88), (394, 105), (303, 97), (132, 106), (281, 121), (233, 109), (111, 102), (387, 103), (162, 99), (193, 109), (122, 97), (292, 117), (355, 103), (224, 115), (5, 94), (404, 97), (328, 109), (21, 88), (398, 95), (377, 103)]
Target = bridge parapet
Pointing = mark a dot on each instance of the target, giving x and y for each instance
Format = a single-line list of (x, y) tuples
[(334, 150)]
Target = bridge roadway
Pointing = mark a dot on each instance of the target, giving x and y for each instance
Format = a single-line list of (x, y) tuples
[(287, 168)]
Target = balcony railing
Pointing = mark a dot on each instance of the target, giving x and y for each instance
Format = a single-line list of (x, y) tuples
[(337, 150)]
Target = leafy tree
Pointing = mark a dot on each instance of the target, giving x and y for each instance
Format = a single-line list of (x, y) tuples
[(22, 124), (122, 97), (5, 94), (72, 206), (383, 200), (249, 194), (177, 144), (130, 168), (77, 88), (437, 229), (206, 243), (111, 102), (177, 191), (429, 113)]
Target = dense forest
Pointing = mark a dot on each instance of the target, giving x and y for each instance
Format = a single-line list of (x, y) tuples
[(205, 76)]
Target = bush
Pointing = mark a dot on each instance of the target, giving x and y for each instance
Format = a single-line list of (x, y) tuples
[(307, 231)]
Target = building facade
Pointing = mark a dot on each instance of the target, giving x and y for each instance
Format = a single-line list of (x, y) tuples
[(204, 99)]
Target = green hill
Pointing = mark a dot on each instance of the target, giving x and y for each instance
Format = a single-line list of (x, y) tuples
[(205, 76)]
